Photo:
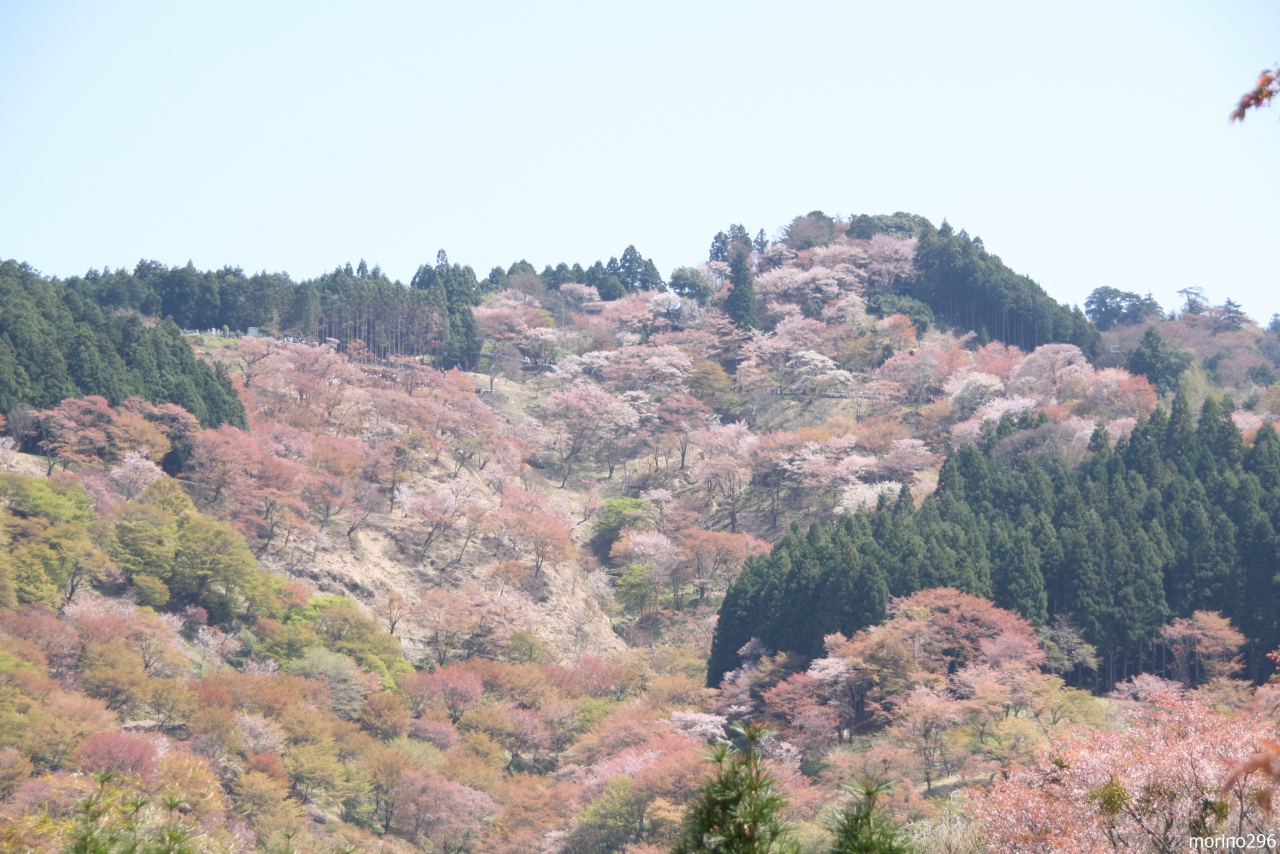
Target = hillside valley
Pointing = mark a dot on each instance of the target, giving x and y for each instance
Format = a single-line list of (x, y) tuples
[(496, 564)]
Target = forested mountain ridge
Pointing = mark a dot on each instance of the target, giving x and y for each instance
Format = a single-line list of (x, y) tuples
[(966, 286), (430, 316), (55, 344), (957, 279), (454, 583)]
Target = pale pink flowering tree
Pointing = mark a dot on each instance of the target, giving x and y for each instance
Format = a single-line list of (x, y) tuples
[(135, 473), (905, 458), (440, 510), (971, 390), (1174, 771), (577, 294), (509, 317), (430, 809), (811, 372), (1053, 373), (600, 586), (860, 496), (809, 470), (701, 726), (630, 318), (1116, 393), (212, 648), (898, 330), (654, 368), (1203, 646), (584, 417), (1120, 428), (655, 551), (997, 358), (1246, 421), (727, 478), (921, 724), (971, 430), (629, 762), (259, 734), (891, 259), (921, 372), (848, 309)]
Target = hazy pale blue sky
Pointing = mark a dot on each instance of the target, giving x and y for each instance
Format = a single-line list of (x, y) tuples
[(1086, 143)]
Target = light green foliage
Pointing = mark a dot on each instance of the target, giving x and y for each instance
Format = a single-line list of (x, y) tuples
[(616, 515), (284, 643), (611, 821), (46, 499), (8, 585), (341, 674), (187, 558), (150, 590), (638, 590), (524, 648), (314, 771), (341, 627), (213, 566), (34, 569), (143, 540), (111, 820)]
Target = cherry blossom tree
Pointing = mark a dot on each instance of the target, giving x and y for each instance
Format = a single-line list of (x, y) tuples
[(898, 330), (1177, 770), (1116, 393), (922, 372), (891, 259), (544, 536), (717, 556), (653, 368), (439, 511), (76, 431), (430, 809), (657, 553), (453, 689), (1052, 372), (1202, 647), (584, 417), (970, 390), (134, 474), (727, 478)]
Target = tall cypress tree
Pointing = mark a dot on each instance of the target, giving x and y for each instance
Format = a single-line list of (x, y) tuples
[(1134, 565), (740, 305), (1263, 459), (1086, 588), (1016, 579)]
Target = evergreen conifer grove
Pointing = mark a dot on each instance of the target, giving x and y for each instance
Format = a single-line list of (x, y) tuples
[(1175, 518), (54, 344)]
